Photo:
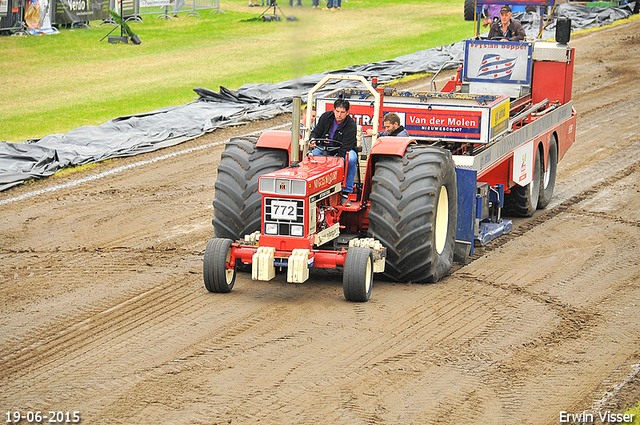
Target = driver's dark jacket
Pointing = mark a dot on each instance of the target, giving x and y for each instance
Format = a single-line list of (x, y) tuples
[(345, 133), (514, 32)]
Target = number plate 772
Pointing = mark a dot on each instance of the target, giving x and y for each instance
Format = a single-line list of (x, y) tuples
[(283, 210)]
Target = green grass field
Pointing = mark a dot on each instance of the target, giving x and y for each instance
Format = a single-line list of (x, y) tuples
[(53, 84)]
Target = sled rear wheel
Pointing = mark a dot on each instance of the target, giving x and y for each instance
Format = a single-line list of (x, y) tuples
[(548, 181), (522, 201)]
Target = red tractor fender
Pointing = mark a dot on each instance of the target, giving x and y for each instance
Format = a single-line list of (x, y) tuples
[(389, 145), (275, 139)]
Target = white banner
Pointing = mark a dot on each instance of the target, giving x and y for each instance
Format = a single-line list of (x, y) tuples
[(151, 3), (523, 164), (504, 62)]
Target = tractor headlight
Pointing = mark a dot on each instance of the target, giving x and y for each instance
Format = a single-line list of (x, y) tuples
[(271, 229), (296, 230)]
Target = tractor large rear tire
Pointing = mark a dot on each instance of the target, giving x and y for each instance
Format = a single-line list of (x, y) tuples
[(522, 201), (469, 10), (413, 213), (237, 203), (548, 181)]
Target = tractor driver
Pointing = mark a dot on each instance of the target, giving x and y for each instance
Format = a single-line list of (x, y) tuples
[(506, 29), (339, 126)]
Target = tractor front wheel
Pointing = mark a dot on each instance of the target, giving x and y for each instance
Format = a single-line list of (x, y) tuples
[(218, 276), (357, 279)]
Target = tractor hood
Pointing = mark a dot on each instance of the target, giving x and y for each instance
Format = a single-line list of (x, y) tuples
[(309, 177)]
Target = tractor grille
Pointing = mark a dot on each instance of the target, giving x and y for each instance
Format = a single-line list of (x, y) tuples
[(284, 217)]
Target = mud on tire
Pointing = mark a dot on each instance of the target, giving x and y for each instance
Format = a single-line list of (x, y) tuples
[(414, 211), (237, 203)]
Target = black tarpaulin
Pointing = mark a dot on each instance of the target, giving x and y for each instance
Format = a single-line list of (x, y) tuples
[(141, 133)]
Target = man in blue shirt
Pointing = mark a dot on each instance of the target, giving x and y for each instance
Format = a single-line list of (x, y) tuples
[(339, 126)]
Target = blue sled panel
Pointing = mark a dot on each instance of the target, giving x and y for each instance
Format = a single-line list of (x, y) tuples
[(466, 184)]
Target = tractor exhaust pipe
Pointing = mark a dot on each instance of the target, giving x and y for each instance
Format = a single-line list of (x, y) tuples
[(295, 131)]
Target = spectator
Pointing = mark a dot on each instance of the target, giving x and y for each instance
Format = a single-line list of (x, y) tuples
[(392, 127), (331, 5), (253, 3), (303, 117), (491, 13), (506, 29), (177, 7), (303, 120), (339, 126)]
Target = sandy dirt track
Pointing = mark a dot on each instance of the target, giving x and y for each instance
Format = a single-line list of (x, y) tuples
[(103, 310)]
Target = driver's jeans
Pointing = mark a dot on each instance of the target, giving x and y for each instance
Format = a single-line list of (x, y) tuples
[(351, 168)]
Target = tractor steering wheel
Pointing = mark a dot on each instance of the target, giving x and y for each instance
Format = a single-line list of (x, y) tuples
[(328, 146)]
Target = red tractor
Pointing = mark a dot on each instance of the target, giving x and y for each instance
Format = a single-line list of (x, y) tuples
[(480, 144)]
